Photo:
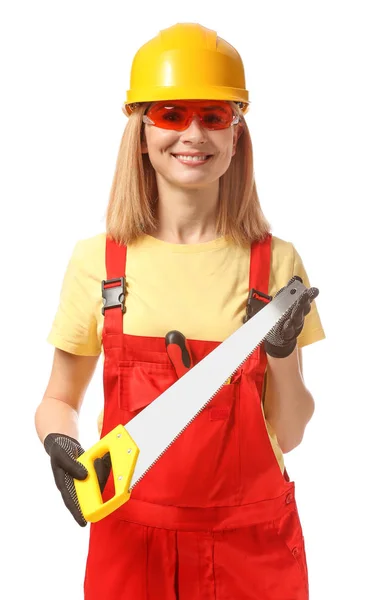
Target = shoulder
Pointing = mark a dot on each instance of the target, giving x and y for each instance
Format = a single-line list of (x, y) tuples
[(282, 251), (88, 258), (88, 248), (285, 262)]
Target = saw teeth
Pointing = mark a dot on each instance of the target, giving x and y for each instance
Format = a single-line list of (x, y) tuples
[(201, 410)]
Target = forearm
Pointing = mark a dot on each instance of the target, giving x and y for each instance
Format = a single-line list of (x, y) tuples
[(288, 405), (56, 416)]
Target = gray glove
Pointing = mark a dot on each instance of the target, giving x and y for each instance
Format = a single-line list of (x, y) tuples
[(282, 339), (64, 451)]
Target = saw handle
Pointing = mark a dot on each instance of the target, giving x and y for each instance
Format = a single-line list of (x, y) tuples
[(124, 454)]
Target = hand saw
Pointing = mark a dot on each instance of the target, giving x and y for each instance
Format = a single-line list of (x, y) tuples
[(136, 446)]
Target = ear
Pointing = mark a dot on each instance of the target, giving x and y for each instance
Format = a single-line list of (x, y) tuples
[(237, 133)]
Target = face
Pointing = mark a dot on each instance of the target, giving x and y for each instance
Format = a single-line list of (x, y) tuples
[(192, 158)]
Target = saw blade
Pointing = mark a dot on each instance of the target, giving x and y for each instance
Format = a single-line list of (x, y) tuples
[(158, 425)]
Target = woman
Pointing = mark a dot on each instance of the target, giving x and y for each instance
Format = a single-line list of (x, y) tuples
[(216, 515)]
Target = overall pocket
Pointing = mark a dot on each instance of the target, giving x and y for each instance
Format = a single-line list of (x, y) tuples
[(142, 382), (201, 467), (289, 532)]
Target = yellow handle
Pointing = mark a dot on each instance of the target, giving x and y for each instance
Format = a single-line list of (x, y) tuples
[(124, 454)]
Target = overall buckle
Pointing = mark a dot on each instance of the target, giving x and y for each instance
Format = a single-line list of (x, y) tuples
[(114, 295), (256, 301)]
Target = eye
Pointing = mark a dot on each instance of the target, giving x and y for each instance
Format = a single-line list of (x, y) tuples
[(171, 116), (213, 118)]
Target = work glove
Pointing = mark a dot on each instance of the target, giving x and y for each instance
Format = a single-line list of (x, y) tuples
[(64, 451), (282, 339)]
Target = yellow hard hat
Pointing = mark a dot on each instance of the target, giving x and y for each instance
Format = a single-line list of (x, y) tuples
[(187, 62)]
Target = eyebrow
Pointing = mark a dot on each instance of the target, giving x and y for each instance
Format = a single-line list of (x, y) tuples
[(215, 106)]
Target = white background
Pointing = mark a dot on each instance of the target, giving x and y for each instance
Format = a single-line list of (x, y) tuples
[(317, 73)]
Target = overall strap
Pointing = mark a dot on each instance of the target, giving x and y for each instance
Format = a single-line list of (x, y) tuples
[(114, 287), (260, 262)]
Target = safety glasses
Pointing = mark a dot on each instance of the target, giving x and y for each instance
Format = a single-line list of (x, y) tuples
[(178, 114)]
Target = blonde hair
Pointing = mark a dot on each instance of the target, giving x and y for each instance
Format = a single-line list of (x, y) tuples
[(132, 202)]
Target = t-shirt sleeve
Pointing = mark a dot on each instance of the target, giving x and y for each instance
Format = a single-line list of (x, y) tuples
[(74, 328), (313, 329)]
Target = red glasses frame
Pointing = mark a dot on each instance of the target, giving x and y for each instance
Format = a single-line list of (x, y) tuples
[(177, 115)]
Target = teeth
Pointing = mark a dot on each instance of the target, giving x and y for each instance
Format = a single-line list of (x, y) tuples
[(191, 158)]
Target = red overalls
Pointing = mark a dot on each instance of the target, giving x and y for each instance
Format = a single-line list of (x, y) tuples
[(214, 519)]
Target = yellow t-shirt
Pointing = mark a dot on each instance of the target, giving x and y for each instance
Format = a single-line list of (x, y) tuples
[(200, 289)]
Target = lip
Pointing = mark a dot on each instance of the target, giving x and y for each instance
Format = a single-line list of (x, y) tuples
[(193, 163), (191, 153)]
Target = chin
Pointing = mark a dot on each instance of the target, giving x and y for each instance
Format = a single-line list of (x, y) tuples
[(191, 182)]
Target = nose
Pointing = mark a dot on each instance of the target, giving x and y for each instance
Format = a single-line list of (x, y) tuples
[(195, 133)]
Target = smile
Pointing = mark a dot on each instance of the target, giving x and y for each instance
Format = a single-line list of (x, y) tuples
[(199, 159)]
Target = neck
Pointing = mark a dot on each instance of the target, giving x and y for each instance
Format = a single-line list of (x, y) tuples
[(186, 216)]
